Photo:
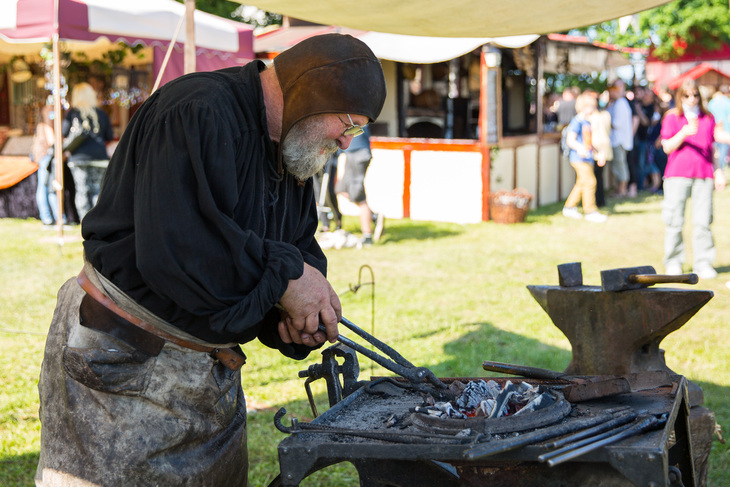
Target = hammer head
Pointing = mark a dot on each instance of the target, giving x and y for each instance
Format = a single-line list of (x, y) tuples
[(619, 280), (570, 275)]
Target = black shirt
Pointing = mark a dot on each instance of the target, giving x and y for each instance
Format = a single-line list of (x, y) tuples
[(93, 148), (194, 221)]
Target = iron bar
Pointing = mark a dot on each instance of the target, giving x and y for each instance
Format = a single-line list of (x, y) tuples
[(500, 446), (618, 421), (641, 425)]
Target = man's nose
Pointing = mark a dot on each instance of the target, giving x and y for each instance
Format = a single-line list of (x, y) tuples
[(343, 141)]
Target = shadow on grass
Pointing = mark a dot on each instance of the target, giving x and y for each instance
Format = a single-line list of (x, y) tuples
[(613, 206), (633, 206), (419, 231), (465, 356), (468, 352), (493, 344), (722, 269), (18, 470), (489, 343)]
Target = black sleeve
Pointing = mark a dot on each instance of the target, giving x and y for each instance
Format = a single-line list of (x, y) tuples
[(312, 255), (269, 336), (67, 122), (105, 125), (189, 248)]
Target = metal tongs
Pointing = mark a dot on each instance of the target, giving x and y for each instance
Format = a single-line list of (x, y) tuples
[(395, 362)]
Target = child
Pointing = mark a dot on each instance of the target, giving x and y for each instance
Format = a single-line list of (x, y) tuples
[(578, 140)]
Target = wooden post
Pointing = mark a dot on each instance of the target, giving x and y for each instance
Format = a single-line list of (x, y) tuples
[(483, 129), (406, 182), (58, 134), (539, 72), (189, 36), (540, 68)]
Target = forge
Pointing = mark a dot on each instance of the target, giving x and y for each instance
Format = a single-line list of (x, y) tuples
[(617, 416)]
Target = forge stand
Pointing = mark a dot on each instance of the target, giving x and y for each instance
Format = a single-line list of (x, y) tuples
[(658, 458), (619, 332)]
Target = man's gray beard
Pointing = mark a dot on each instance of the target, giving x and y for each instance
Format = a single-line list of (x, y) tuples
[(305, 149)]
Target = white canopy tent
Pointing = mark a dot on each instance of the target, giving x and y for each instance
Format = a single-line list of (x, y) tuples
[(423, 50), (457, 18), (391, 47), (433, 31), (92, 27)]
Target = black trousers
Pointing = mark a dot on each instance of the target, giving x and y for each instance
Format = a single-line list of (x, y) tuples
[(600, 193)]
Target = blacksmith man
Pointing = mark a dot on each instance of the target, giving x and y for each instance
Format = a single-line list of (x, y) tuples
[(205, 223)]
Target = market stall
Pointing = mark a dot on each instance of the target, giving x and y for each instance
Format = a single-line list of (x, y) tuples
[(136, 43)]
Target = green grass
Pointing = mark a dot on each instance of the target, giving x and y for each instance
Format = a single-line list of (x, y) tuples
[(446, 296)]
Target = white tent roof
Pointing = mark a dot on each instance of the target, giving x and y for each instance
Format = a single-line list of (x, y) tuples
[(393, 47), (92, 26), (419, 49), (457, 18)]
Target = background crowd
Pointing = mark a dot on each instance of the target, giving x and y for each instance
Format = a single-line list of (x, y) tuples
[(87, 132), (653, 141)]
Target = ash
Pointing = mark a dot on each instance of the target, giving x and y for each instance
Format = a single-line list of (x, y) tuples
[(486, 399)]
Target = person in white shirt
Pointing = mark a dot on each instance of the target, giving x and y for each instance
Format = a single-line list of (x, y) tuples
[(622, 135)]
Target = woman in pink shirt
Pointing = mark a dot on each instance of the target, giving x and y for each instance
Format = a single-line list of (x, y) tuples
[(688, 132)]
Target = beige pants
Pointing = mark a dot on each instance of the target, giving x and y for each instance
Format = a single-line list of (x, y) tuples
[(584, 188), (113, 416)]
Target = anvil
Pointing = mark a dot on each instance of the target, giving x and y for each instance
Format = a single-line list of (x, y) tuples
[(617, 332)]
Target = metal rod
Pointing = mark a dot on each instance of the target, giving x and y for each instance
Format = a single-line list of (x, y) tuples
[(585, 441), (401, 366), (500, 446), (620, 420), (638, 427), (522, 370), (379, 359), (394, 437), (398, 358)]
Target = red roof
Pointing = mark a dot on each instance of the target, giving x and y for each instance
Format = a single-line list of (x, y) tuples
[(696, 53), (584, 40), (694, 73), (270, 43)]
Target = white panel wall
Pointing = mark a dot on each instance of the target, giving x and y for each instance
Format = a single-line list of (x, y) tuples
[(568, 176), (446, 186), (501, 172), (527, 170), (548, 174), (383, 185)]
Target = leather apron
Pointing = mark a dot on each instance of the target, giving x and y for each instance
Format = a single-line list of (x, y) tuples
[(112, 415)]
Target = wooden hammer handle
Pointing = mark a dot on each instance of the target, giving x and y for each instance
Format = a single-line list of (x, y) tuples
[(649, 279)]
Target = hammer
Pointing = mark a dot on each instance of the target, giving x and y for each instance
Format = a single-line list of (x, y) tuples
[(640, 277)]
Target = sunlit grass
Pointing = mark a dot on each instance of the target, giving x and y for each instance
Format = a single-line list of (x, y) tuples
[(446, 296)]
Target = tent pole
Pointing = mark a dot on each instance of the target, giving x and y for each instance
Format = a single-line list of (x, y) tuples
[(483, 131), (167, 54), (58, 134), (189, 36), (189, 63)]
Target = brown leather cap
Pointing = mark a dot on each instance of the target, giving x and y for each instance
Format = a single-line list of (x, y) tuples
[(330, 73)]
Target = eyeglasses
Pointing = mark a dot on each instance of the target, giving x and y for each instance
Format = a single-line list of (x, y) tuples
[(691, 95), (353, 129)]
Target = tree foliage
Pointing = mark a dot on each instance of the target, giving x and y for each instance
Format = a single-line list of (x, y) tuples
[(221, 8), (671, 30), (236, 11)]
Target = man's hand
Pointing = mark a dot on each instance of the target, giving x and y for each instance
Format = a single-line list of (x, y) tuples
[(307, 302)]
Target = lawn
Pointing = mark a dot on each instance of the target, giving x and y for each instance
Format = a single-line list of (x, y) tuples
[(445, 296)]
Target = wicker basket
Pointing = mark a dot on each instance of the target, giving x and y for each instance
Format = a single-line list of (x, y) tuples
[(509, 206)]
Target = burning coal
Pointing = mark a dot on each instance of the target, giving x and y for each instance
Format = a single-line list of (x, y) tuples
[(486, 399)]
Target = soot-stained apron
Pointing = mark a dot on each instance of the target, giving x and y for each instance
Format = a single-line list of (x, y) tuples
[(113, 416)]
